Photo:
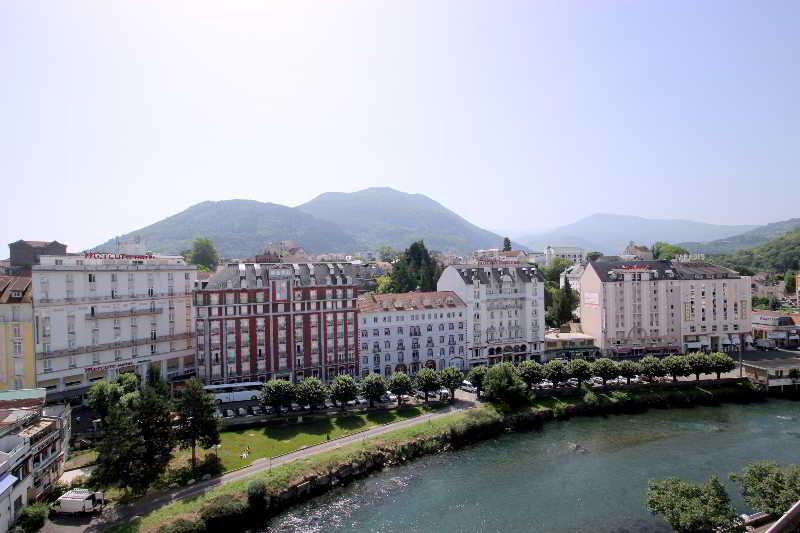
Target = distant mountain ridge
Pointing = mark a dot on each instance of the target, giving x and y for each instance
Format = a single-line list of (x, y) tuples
[(610, 233), (748, 239)]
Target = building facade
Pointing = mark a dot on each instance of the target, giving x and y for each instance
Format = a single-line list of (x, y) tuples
[(505, 311), (255, 322), (25, 254), (776, 327), (99, 314), (17, 357), (409, 331), (632, 308)]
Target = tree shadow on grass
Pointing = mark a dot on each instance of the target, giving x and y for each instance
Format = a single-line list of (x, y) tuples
[(320, 426), (350, 423)]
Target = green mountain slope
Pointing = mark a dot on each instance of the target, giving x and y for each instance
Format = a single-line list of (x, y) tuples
[(778, 255), (749, 239)]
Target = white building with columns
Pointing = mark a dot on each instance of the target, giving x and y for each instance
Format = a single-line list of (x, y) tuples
[(505, 311), (409, 331), (98, 314)]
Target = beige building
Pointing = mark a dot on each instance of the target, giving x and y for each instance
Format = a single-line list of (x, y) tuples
[(632, 308), (16, 333)]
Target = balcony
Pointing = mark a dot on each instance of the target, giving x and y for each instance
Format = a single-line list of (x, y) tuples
[(113, 345), (122, 314)]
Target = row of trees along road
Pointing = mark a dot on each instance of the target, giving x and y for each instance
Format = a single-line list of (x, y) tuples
[(690, 507), (279, 393), (141, 425)]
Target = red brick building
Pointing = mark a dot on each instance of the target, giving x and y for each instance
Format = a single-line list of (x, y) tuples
[(258, 321)]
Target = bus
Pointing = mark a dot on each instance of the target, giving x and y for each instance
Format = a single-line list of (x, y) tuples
[(235, 392)]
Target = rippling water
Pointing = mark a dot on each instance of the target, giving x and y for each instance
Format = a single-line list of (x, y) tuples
[(585, 474)]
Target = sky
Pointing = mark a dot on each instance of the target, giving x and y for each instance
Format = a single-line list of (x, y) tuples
[(519, 116)]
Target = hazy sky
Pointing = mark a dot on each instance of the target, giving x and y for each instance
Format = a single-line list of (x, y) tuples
[(517, 115)]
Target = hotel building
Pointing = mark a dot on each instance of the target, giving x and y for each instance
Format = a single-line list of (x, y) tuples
[(408, 331), (99, 314), (257, 321)]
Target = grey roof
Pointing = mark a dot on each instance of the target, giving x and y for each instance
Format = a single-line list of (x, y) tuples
[(247, 275), (485, 275), (666, 269)]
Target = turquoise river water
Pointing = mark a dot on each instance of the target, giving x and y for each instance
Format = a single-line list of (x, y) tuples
[(584, 474)]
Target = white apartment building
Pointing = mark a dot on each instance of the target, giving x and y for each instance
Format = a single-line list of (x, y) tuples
[(633, 308), (98, 314), (409, 331), (505, 311)]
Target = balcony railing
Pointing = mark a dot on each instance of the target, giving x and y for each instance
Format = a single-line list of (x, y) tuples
[(122, 314), (112, 345)]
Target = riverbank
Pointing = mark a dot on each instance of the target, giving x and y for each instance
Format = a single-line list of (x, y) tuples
[(302, 479)]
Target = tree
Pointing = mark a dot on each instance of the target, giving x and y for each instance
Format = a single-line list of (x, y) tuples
[(128, 382), (531, 373), (401, 385), (387, 253), (628, 369), (790, 281), (676, 366), (204, 254), (103, 396), (278, 393), (343, 389), (312, 392), (605, 369), (503, 383), (594, 256), (373, 387), (155, 382), (476, 376), (552, 272), (384, 284), (768, 488), (567, 302), (719, 362), (451, 379), (667, 251), (651, 367), (415, 269), (579, 369), (196, 421), (555, 371), (689, 507), (506, 244), (427, 381), (698, 364)]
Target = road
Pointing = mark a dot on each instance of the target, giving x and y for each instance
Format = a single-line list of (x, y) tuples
[(159, 499)]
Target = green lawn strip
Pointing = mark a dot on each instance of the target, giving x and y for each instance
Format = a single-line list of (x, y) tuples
[(279, 440), (80, 458), (281, 476)]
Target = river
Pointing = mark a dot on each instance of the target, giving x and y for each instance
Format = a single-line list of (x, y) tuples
[(584, 474)]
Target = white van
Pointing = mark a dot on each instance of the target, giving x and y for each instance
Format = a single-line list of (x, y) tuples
[(79, 501)]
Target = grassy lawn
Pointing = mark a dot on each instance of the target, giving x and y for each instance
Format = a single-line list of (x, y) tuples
[(272, 441), (80, 458)]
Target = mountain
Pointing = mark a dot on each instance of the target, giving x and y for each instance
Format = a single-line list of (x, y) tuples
[(778, 255), (381, 216), (239, 229), (748, 239), (611, 233)]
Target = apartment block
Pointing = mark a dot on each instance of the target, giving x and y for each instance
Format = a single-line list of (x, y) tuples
[(17, 358)]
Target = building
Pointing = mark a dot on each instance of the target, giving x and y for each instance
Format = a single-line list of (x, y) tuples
[(774, 372), (99, 314), (505, 311), (572, 273), (777, 327), (408, 331), (256, 322), (765, 285), (573, 254), (34, 442), (17, 356), (25, 254), (632, 308), (634, 252), (568, 345), (498, 257)]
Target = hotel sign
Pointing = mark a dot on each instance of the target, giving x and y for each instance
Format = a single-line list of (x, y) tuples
[(107, 255), (103, 368)]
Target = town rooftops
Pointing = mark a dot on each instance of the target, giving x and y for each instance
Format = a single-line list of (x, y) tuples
[(493, 274), (409, 301), (22, 398), (778, 363), (608, 268), (15, 289), (258, 275)]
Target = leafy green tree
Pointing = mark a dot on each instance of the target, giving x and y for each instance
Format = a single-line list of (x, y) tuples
[(628, 369), (503, 383), (790, 281), (552, 272), (401, 385), (387, 253), (567, 302), (427, 381), (777, 255), (384, 284), (155, 382), (343, 389), (103, 396), (594, 256), (691, 508), (278, 393), (605, 369), (719, 363), (556, 372), (196, 421), (476, 376), (451, 379), (506, 244), (579, 369), (373, 387), (530, 372), (769, 488), (128, 382), (667, 251), (204, 254), (676, 366), (699, 363), (414, 270), (652, 367), (312, 392)]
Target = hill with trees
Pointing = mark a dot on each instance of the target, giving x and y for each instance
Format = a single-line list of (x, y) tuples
[(748, 239), (781, 254)]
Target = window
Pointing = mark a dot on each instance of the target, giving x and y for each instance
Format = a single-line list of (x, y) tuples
[(92, 278)]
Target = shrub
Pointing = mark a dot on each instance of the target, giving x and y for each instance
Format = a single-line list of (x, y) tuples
[(183, 525), (32, 517), (620, 396), (590, 399), (257, 496), (225, 513)]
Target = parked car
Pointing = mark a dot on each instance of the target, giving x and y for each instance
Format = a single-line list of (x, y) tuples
[(361, 401), (256, 410), (389, 398), (444, 394), (546, 384), (217, 413), (229, 413), (243, 412), (268, 409)]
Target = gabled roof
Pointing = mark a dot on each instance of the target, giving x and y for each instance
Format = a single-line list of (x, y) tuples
[(604, 266), (408, 301), (247, 275), (15, 289), (493, 274)]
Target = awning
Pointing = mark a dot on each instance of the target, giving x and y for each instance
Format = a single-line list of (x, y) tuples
[(7, 482), (690, 345)]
